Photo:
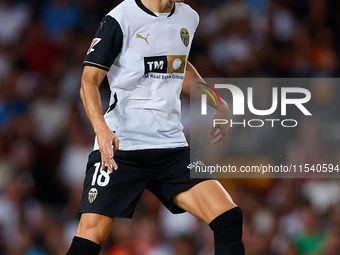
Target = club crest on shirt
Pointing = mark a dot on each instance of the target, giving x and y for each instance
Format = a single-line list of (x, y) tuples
[(185, 36), (93, 193)]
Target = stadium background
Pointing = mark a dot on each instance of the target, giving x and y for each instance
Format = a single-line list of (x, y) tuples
[(45, 136)]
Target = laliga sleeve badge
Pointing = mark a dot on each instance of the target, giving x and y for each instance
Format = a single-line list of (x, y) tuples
[(93, 193), (94, 42), (185, 36)]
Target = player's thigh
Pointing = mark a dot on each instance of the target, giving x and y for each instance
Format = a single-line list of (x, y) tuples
[(206, 200), (94, 227)]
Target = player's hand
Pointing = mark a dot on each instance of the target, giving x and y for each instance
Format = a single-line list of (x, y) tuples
[(106, 138), (220, 131)]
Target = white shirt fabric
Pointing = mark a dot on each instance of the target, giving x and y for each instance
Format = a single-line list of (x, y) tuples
[(146, 76)]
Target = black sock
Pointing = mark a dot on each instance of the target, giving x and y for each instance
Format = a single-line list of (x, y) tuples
[(82, 246), (228, 233)]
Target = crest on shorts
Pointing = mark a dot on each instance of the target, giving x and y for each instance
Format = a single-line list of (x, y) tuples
[(185, 36), (93, 193)]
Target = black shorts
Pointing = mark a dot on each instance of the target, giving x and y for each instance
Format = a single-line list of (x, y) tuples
[(164, 172)]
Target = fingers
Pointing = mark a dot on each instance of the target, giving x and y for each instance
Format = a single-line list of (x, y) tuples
[(103, 164), (115, 143), (107, 160), (108, 143), (107, 157), (224, 140), (212, 132), (219, 135), (110, 164), (114, 164)]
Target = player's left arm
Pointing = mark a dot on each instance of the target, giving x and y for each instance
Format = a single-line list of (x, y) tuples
[(219, 132)]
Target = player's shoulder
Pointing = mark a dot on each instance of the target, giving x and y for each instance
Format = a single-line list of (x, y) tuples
[(185, 7), (187, 11), (122, 9)]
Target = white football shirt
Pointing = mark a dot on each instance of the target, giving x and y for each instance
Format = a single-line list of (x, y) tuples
[(145, 55)]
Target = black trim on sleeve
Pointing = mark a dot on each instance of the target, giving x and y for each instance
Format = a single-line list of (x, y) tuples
[(88, 63), (106, 45)]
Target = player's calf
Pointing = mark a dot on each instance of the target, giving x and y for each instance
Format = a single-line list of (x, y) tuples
[(227, 229), (92, 231)]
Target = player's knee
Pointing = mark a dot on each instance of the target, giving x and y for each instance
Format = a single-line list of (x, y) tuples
[(92, 233), (227, 227), (94, 227)]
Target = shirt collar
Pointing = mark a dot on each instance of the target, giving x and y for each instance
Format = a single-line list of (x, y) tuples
[(142, 6)]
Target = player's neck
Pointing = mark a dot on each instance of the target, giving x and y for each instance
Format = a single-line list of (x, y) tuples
[(159, 6)]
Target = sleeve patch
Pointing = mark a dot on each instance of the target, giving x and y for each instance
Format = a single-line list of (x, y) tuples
[(94, 42), (106, 45)]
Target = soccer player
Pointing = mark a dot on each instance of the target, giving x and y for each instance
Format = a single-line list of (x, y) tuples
[(142, 46)]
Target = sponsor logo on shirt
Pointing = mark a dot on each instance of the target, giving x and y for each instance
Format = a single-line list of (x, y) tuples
[(165, 64)]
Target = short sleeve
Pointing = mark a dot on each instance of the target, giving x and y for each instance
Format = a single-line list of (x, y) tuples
[(106, 44)]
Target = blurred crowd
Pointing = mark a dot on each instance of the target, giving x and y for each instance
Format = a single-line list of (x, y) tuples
[(45, 137)]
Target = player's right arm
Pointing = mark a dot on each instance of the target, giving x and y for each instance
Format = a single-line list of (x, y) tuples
[(89, 92), (104, 49)]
